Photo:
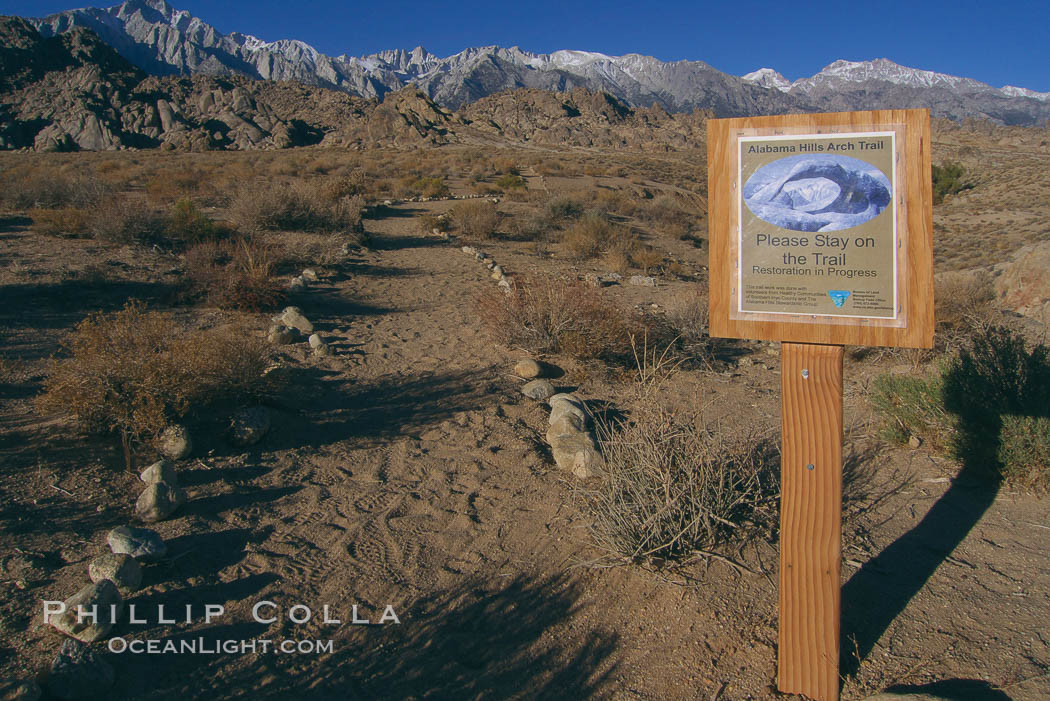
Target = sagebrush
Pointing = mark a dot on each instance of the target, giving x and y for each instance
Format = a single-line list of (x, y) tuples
[(134, 371)]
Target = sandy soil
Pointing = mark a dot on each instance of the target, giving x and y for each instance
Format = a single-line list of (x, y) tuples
[(408, 471)]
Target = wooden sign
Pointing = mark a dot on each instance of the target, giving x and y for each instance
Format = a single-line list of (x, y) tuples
[(821, 228), (821, 233)]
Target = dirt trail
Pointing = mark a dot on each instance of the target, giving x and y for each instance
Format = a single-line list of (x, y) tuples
[(406, 470)]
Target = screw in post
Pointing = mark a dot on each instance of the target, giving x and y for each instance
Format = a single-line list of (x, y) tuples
[(805, 374), (809, 466)]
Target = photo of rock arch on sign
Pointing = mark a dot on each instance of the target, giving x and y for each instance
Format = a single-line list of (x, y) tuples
[(822, 192)]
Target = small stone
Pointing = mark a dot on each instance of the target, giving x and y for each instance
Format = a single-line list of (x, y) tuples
[(174, 442), (158, 501), (504, 284), (315, 341), (568, 404), (141, 543), (745, 362), (915, 442), (566, 423), (281, 335), (643, 281), (293, 316), (78, 672), (20, 691), (160, 471), (576, 453), (469, 250), (310, 275), (297, 284), (528, 369), (102, 595), (123, 570), (539, 390), (248, 426), (497, 272)]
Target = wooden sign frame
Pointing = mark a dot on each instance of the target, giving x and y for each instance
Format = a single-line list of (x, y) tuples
[(782, 216), (912, 326)]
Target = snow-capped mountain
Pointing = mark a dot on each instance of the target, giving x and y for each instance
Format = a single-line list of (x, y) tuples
[(162, 40)]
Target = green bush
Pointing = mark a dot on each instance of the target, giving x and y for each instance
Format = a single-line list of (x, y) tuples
[(913, 406), (510, 181), (988, 406), (949, 179), (1024, 452)]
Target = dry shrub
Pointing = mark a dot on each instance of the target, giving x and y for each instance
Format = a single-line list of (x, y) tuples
[(299, 206), (617, 259), (562, 207), (669, 215), (543, 313), (646, 258), (172, 185), (134, 371), (588, 236), (687, 315), (120, 220), (671, 485), (476, 219), (234, 274), (965, 304), (187, 224), (65, 220), (532, 227), (428, 223), (53, 191)]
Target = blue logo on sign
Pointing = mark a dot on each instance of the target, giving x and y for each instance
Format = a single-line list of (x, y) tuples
[(839, 297)]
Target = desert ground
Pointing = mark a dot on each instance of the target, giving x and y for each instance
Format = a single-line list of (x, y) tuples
[(404, 468)]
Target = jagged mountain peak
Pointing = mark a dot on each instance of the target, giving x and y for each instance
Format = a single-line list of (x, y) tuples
[(163, 40), (768, 78)]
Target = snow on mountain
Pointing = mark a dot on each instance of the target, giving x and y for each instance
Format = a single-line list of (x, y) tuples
[(165, 41), (1013, 91), (844, 72), (768, 78)]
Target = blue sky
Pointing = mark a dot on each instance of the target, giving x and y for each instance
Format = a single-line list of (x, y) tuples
[(1001, 43)]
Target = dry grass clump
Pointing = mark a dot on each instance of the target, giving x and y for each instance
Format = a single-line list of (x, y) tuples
[(672, 486), (688, 317), (669, 215), (562, 207), (134, 371), (234, 274), (475, 219), (591, 235), (122, 220), (299, 206), (543, 313), (965, 304), (52, 190), (70, 221)]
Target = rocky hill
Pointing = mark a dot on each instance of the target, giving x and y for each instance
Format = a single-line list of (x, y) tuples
[(72, 92), (162, 40)]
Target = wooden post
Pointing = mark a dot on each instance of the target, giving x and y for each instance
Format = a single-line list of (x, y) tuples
[(810, 520)]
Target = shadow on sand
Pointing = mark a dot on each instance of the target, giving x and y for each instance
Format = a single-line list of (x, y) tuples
[(479, 640), (997, 377)]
